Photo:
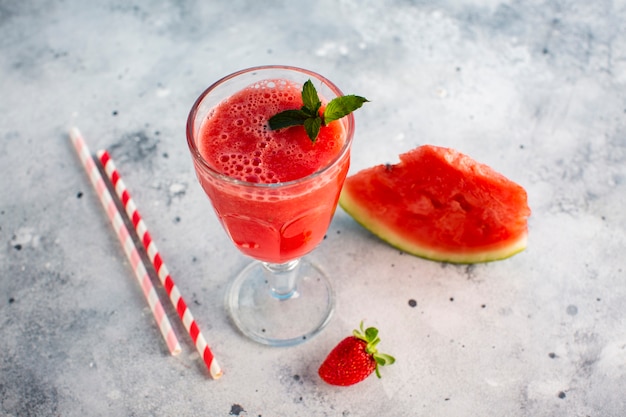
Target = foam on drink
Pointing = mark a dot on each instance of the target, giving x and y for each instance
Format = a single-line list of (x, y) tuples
[(236, 139)]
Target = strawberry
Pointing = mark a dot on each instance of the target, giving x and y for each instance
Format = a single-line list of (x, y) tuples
[(354, 358)]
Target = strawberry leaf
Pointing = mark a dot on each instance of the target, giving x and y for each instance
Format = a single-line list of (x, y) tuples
[(371, 333), (384, 359)]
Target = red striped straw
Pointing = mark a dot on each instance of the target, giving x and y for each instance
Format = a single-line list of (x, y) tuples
[(126, 240), (153, 253)]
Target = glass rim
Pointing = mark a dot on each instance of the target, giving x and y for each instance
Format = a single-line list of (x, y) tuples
[(197, 156)]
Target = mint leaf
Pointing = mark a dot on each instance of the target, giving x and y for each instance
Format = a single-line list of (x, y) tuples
[(342, 106), (288, 118), (310, 99), (308, 115), (312, 126)]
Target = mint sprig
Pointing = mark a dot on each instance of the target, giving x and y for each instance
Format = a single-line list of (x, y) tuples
[(309, 115)]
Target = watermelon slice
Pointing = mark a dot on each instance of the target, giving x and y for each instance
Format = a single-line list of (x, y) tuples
[(439, 204)]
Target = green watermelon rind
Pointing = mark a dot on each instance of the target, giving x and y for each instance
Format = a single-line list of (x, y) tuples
[(370, 222)]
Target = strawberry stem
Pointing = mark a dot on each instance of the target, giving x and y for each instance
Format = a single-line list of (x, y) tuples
[(370, 337)]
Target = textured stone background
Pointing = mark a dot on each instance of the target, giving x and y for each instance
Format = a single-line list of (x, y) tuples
[(536, 89)]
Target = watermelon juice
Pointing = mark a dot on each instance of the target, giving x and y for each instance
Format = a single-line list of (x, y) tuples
[(274, 192)]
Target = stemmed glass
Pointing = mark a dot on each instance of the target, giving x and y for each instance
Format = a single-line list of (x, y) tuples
[(281, 298)]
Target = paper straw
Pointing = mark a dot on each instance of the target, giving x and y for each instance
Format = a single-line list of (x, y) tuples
[(126, 240), (153, 253)]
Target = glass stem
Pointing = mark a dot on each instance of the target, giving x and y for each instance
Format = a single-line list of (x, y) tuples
[(282, 278)]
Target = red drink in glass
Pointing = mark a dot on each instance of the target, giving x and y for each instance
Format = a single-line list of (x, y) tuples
[(271, 223), (275, 192)]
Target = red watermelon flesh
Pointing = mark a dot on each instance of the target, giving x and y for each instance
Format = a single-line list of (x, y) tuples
[(442, 205)]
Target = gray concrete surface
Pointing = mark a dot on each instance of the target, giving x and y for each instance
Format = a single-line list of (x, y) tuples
[(536, 89)]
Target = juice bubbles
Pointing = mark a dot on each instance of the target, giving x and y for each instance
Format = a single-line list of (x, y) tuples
[(275, 192)]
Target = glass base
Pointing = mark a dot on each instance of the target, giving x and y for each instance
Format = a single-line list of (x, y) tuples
[(281, 304)]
